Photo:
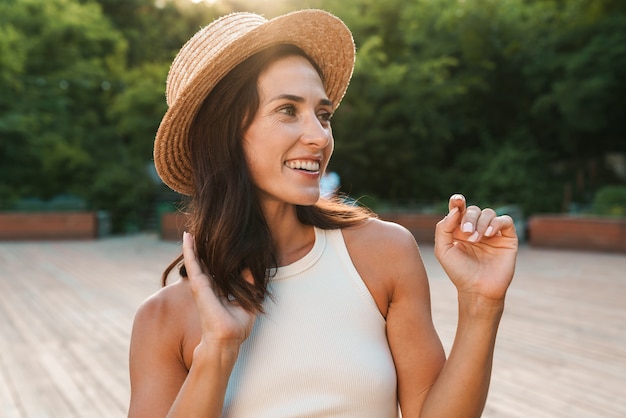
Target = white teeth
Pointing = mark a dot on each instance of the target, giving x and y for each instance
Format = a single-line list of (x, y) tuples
[(303, 165)]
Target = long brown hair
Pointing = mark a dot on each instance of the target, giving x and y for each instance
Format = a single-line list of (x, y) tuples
[(225, 215)]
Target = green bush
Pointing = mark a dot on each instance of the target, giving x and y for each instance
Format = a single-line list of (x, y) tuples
[(610, 201), (126, 192)]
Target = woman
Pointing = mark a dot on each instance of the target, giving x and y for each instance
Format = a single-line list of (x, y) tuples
[(288, 304)]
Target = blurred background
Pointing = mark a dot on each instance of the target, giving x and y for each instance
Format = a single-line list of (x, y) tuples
[(518, 104)]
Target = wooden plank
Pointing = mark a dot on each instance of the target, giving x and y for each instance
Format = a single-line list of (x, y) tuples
[(8, 396), (66, 311)]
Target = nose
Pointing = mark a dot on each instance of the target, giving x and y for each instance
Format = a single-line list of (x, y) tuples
[(315, 133)]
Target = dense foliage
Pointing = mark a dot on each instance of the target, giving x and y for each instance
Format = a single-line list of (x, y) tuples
[(508, 101)]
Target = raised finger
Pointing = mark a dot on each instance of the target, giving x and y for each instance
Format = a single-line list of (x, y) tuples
[(444, 231), (200, 282), (470, 219), (192, 265), (501, 224), (457, 201), (483, 225)]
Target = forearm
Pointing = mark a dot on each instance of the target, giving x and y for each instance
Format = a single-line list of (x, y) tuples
[(202, 393), (463, 383)]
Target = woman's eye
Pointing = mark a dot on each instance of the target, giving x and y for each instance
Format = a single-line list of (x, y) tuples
[(325, 116), (288, 110)]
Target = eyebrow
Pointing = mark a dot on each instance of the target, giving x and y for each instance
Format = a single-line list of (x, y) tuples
[(298, 99)]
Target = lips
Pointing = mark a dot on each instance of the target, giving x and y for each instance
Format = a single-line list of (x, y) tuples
[(305, 165)]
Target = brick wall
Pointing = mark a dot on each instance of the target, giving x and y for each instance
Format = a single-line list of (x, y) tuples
[(172, 226), (48, 225), (583, 233), (421, 225)]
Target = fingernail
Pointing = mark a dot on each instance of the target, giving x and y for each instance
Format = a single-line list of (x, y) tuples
[(457, 197), (468, 227), (489, 231), (473, 237)]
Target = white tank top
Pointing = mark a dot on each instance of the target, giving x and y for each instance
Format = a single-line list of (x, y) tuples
[(320, 349)]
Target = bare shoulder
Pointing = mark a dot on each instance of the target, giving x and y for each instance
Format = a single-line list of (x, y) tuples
[(158, 368), (170, 295), (168, 318), (166, 306), (387, 258), (381, 239)]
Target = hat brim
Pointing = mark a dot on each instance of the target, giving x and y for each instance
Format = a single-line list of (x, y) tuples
[(322, 36)]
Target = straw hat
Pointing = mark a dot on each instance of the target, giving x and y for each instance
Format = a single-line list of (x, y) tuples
[(219, 47)]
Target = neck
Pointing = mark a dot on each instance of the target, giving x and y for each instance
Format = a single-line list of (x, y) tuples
[(291, 238)]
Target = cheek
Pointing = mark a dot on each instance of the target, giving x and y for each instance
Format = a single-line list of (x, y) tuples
[(248, 153), (329, 151), (251, 157), (258, 164)]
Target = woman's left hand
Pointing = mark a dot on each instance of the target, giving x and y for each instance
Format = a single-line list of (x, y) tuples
[(477, 249)]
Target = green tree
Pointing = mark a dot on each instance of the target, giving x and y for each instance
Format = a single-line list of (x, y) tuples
[(137, 110), (510, 101), (65, 59), (391, 130), (446, 94), (577, 89), (155, 30)]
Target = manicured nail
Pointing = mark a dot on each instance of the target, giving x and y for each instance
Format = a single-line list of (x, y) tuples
[(489, 231), (457, 197), (468, 227), (473, 237)]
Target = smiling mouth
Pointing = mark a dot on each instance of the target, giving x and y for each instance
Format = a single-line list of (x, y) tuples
[(304, 165)]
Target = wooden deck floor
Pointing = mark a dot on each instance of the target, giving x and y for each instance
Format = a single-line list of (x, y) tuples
[(66, 310)]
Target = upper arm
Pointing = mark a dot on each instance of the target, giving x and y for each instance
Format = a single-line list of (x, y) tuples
[(416, 348), (156, 368), (393, 269)]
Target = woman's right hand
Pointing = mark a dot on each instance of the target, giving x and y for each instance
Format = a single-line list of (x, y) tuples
[(224, 322)]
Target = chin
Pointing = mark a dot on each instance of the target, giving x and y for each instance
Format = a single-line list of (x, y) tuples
[(309, 200)]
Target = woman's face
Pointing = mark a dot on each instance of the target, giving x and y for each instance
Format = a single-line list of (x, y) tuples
[(289, 141)]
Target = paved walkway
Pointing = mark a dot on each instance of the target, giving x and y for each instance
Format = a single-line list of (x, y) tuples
[(66, 311)]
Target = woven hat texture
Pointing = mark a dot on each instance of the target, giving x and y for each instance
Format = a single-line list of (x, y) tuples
[(219, 47)]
